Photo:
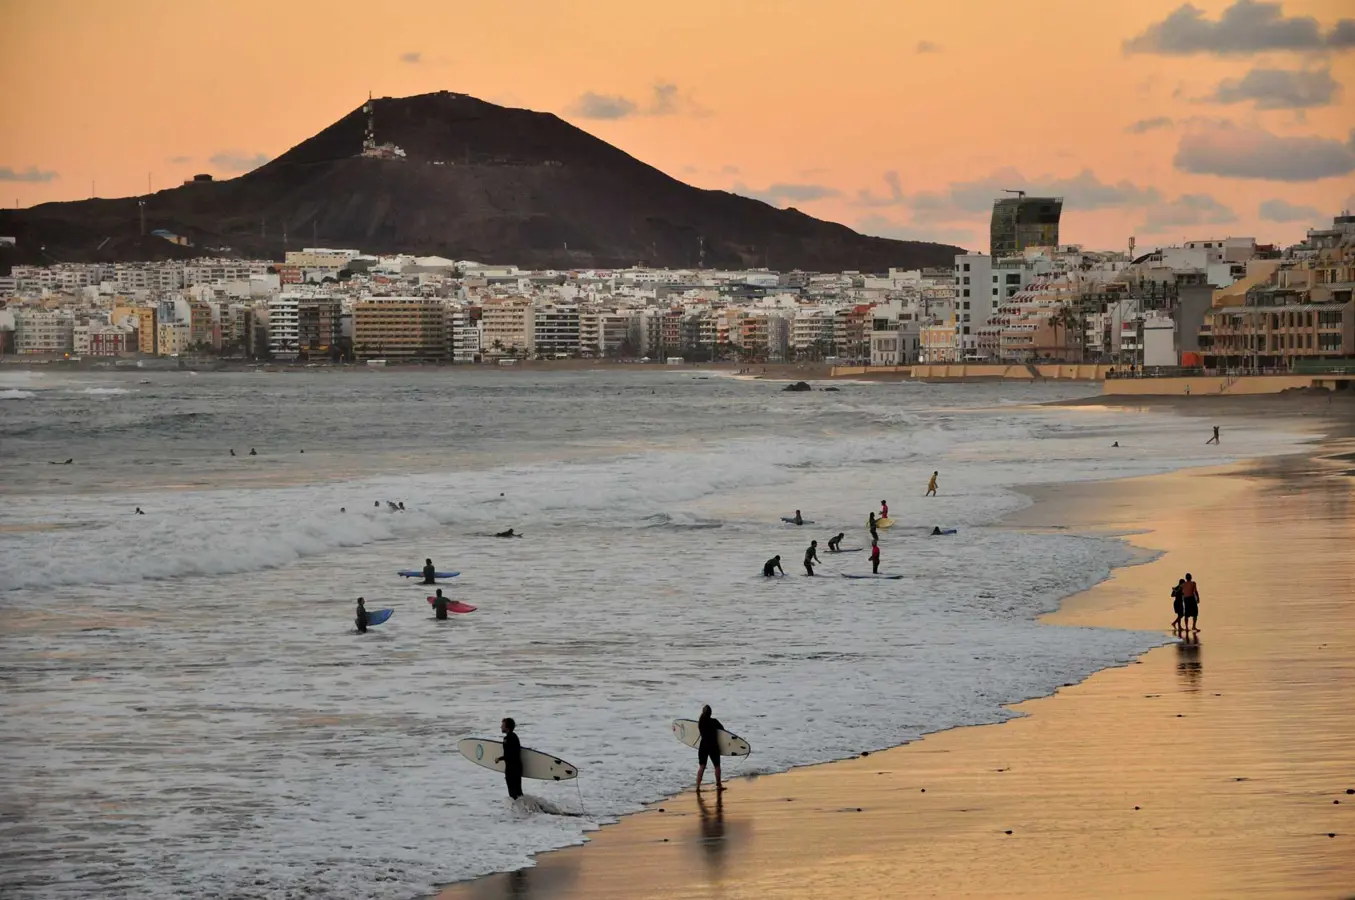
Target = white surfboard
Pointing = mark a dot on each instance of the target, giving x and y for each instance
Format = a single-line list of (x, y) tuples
[(686, 731), (535, 764)]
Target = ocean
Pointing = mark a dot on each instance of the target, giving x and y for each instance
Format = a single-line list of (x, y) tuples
[(186, 706)]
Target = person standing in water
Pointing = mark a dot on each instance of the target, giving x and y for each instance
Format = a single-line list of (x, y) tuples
[(772, 566), (440, 605), (870, 523), (1215, 438), (361, 618), (875, 557), (429, 572), (1190, 605), (512, 758), (884, 510), (931, 485), (708, 748), (811, 557)]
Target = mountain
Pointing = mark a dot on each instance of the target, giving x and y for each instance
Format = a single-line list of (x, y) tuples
[(470, 180)]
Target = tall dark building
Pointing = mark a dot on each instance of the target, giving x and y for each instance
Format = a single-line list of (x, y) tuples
[(1021, 222)]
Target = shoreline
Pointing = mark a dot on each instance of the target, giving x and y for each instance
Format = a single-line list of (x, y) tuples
[(756, 845)]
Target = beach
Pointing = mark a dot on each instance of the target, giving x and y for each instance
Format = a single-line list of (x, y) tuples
[(1211, 767)]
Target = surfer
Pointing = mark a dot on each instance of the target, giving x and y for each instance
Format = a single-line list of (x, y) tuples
[(799, 519), (835, 543), (811, 557), (253, 452), (376, 503), (361, 619), (875, 557), (429, 572), (931, 485), (709, 747), (870, 523), (1215, 438), (400, 505), (140, 511), (1116, 444), (770, 567), (393, 507), (937, 531), (512, 758), (509, 533), (440, 605), (232, 451), (884, 510)]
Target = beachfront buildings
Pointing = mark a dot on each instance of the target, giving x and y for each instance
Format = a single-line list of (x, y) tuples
[(408, 328), (39, 332), (1020, 222)]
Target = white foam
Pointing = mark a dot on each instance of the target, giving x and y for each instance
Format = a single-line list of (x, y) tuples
[(15, 394)]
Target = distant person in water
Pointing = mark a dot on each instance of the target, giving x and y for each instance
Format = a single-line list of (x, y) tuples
[(253, 452), (341, 509), (232, 451), (875, 557), (772, 566), (1116, 444), (1215, 438), (361, 618), (811, 557), (377, 504), (884, 510), (512, 758), (393, 507), (931, 485), (835, 543), (936, 531), (440, 605), (509, 533), (429, 572), (799, 519), (401, 506), (139, 511), (708, 748), (870, 523)]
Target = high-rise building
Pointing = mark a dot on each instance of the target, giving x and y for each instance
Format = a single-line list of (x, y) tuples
[(400, 328), (1021, 222)]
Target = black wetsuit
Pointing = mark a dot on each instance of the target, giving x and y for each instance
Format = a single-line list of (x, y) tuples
[(361, 620), (440, 607), (429, 574), (709, 746), (770, 566), (835, 545), (810, 558), (512, 764)]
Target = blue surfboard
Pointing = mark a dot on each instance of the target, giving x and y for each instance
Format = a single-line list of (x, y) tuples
[(410, 573), (377, 616)]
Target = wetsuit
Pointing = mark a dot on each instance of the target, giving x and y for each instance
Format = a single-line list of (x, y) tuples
[(361, 620), (810, 558), (875, 560), (798, 520), (508, 533), (512, 764), (440, 607), (874, 533), (770, 566), (429, 574), (835, 544), (709, 746)]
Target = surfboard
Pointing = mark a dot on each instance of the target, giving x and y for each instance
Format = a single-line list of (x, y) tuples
[(377, 616), (883, 523), (411, 573), (876, 577), (455, 606), (945, 531), (846, 550), (686, 731), (791, 520), (535, 764)]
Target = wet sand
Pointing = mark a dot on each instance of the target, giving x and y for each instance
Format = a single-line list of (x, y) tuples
[(1212, 767)]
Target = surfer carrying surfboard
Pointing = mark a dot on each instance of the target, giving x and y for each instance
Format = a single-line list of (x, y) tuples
[(440, 605), (360, 619), (709, 747), (512, 758)]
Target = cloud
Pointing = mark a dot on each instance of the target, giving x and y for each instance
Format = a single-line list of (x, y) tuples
[(1143, 126), (413, 57), (237, 160), (1083, 191), (1279, 89), (1188, 209), (1246, 27), (880, 226), (179, 160), (729, 170), (928, 47), (787, 193), (665, 99), (31, 175), (1283, 211), (1252, 152)]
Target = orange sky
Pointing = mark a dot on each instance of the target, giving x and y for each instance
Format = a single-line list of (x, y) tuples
[(808, 103)]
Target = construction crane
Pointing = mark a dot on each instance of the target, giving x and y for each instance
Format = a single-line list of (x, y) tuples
[(1020, 195)]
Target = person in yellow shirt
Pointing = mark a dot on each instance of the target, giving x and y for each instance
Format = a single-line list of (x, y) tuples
[(931, 485)]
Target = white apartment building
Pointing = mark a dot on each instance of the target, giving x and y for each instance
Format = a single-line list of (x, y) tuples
[(975, 301), (43, 332), (463, 335), (284, 326), (811, 329), (507, 327), (555, 331), (603, 333)]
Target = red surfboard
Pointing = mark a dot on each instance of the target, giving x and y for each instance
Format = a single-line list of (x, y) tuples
[(455, 606)]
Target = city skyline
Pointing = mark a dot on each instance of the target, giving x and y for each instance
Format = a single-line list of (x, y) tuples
[(1161, 121)]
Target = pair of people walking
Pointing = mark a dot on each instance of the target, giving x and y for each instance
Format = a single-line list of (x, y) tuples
[(1186, 605)]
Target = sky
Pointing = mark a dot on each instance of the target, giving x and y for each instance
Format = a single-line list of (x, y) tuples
[(1153, 119)]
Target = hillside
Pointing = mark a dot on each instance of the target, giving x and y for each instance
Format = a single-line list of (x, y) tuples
[(477, 181)]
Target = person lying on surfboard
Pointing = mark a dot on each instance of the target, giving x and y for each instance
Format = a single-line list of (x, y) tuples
[(509, 533), (835, 543)]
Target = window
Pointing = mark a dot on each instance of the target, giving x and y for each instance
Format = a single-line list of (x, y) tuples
[(966, 279), (1014, 278), (966, 329), (966, 268), (966, 292), (994, 279), (966, 305)]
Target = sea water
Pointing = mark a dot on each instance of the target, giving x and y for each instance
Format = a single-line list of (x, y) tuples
[(188, 711)]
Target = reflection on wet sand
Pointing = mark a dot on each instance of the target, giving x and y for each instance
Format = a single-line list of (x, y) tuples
[(1188, 666)]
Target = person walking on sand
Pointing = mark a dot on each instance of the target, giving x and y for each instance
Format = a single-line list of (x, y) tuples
[(1215, 438), (1178, 604), (512, 758), (1190, 604), (875, 557), (811, 557), (708, 748), (931, 485)]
